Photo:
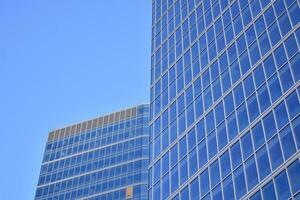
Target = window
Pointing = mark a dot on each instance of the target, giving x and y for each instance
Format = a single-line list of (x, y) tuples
[(238, 94), (165, 186), (249, 85), (295, 62), (191, 139), (247, 145), (229, 105), (242, 117), (258, 135), (293, 104), (269, 125), (165, 163), (228, 188), (293, 171), (182, 147), (193, 164), (296, 129), (232, 127), (174, 155), (183, 170), (251, 172), (156, 171), (281, 115), (275, 152), (200, 130), (239, 182), (194, 188), (202, 153), (174, 179), (252, 107), (268, 191), (225, 164), (222, 136), (219, 113), (282, 186), (287, 141), (274, 87), (236, 157), (204, 183), (286, 78), (263, 163), (263, 97), (212, 144), (215, 173), (184, 194)]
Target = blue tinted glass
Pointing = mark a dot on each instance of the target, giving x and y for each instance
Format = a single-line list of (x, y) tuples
[(269, 66), (156, 191), (252, 107), (280, 56), (263, 163), (202, 153), (274, 87), (275, 152), (242, 117), (228, 188), (281, 115), (174, 179), (165, 163), (222, 136), (212, 144), (225, 164), (184, 194), (229, 105), (251, 173), (268, 191), (156, 171), (247, 145), (258, 135), (217, 193), (183, 170), (249, 85), (296, 129), (286, 78), (191, 139), (238, 94), (174, 155), (259, 76), (269, 125), (294, 13), (293, 172), (182, 147), (295, 62), (200, 130), (194, 188), (165, 187), (282, 186), (204, 183), (219, 113), (291, 46), (232, 127), (236, 156), (239, 182), (284, 24), (256, 196), (287, 142), (215, 172), (193, 164)]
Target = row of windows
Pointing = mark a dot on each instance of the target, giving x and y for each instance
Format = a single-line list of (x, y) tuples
[(248, 99), (107, 179), (95, 134), (91, 166), (282, 186), (224, 81), (114, 150), (240, 161), (139, 192), (95, 143)]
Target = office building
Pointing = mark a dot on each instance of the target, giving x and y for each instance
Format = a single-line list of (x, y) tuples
[(102, 158), (224, 105)]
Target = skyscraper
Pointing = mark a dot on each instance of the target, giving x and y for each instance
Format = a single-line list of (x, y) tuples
[(224, 112), (103, 158)]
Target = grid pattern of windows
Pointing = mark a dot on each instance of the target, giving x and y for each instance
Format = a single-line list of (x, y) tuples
[(224, 98), (100, 163)]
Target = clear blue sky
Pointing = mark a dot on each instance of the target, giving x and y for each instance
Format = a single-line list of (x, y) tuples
[(64, 61)]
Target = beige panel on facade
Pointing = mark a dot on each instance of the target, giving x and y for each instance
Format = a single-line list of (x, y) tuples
[(73, 129), (95, 123), (89, 125), (51, 136), (83, 127), (122, 115), (133, 111), (100, 121), (111, 118), (78, 127), (129, 192), (67, 132)]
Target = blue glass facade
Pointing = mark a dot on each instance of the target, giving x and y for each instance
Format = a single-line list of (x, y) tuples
[(224, 100), (104, 158)]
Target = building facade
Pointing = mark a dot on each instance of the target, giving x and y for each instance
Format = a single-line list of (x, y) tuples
[(103, 158), (224, 103)]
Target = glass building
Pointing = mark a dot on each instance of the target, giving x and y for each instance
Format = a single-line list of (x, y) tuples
[(103, 158), (224, 103)]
